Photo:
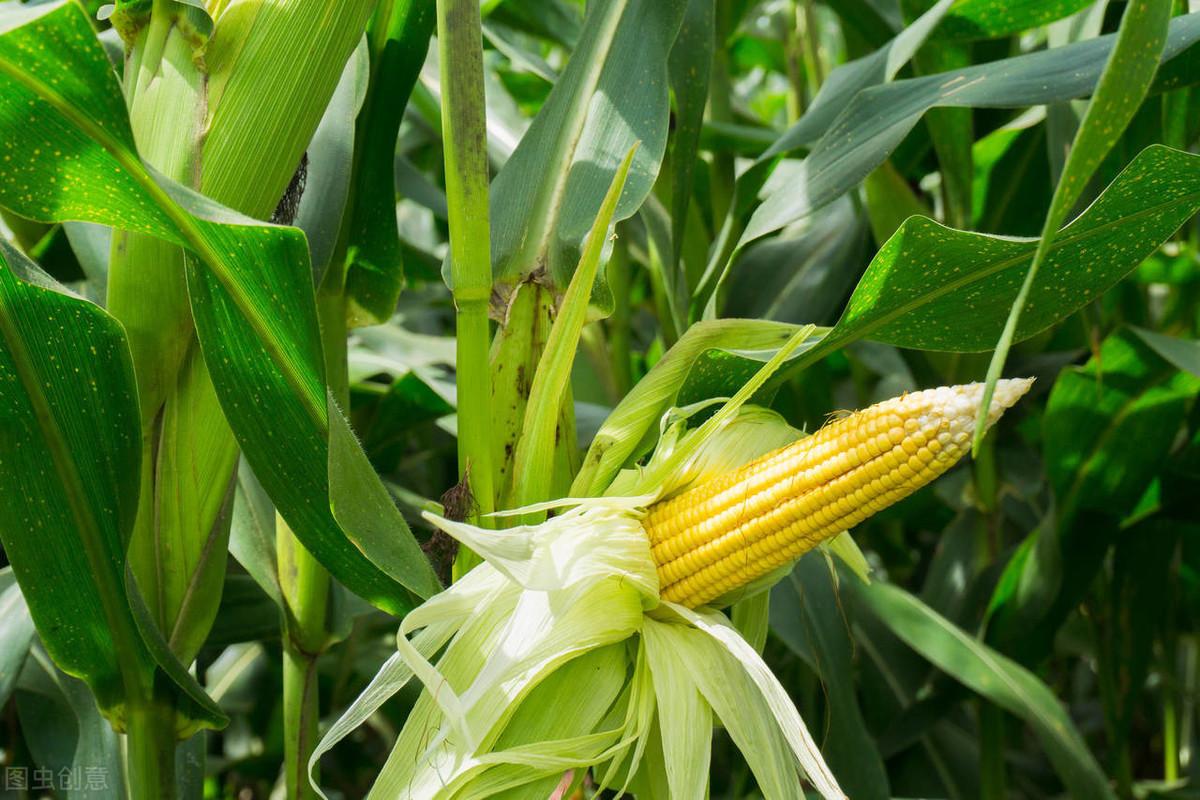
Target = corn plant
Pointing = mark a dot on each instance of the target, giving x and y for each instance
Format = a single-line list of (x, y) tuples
[(445, 399)]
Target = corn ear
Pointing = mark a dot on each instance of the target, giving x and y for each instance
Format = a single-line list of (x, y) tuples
[(735, 528)]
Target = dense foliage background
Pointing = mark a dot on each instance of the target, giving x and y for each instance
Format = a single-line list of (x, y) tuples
[(1060, 567)]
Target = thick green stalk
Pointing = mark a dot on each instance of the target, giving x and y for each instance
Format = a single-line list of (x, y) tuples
[(291, 55), (460, 50), (151, 765), (171, 550), (306, 584), (619, 326), (993, 778)]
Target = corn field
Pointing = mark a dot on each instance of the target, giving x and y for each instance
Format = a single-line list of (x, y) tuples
[(571, 399)]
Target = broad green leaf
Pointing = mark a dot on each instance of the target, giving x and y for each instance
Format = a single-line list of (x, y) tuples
[(612, 93), (1126, 394), (268, 370), (877, 119), (992, 675), (398, 39), (1123, 85), (991, 19), (70, 446), (934, 288)]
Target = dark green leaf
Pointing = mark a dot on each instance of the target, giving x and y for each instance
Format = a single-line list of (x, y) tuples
[(877, 119), (70, 445), (1127, 393), (1000, 680), (398, 39), (268, 369), (808, 601)]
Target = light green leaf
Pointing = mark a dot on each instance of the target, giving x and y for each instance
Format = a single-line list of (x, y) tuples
[(534, 462), (631, 428), (612, 93)]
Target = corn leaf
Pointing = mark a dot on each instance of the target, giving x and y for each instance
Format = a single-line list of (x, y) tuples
[(934, 288), (871, 125), (612, 93), (534, 461), (1000, 680), (398, 40), (991, 19), (1123, 84), (807, 615), (54, 71), (70, 446), (16, 633)]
